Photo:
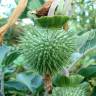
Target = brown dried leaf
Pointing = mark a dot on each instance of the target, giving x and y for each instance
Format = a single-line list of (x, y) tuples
[(43, 11)]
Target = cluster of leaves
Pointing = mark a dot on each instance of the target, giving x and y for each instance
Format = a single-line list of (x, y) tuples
[(21, 80)]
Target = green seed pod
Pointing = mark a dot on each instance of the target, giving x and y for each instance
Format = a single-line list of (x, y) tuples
[(46, 50), (81, 90)]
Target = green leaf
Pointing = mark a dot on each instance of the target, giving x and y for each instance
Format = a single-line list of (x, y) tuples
[(81, 40), (94, 91), (62, 81), (32, 81), (80, 90), (88, 72), (2, 22), (3, 51), (15, 86), (90, 41), (9, 58), (88, 52), (52, 21)]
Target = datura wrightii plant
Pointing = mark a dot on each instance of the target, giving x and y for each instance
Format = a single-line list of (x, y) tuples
[(46, 50)]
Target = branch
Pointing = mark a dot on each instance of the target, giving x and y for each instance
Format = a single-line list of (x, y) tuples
[(13, 18)]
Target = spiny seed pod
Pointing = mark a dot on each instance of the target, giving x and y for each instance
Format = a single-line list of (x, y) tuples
[(81, 90), (46, 50)]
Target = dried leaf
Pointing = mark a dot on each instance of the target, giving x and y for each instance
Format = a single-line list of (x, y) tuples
[(43, 11)]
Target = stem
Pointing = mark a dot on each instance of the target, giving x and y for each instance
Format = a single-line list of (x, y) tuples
[(16, 13), (48, 83), (66, 27), (1, 83)]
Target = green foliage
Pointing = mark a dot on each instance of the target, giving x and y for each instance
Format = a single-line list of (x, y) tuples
[(46, 50), (32, 81), (19, 83), (3, 51), (63, 81), (81, 90), (90, 41), (15, 87), (86, 40), (85, 12), (52, 22), (81, 61), (88, 72), (9, 58), (94, 91), (2, 21)]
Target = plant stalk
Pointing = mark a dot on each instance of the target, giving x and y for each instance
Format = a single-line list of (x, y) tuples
[(1, 82), (48, 83), (13, 18)]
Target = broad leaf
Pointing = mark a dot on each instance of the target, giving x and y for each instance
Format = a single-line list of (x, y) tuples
[(62, 81), (94, 91), (15, 86), (88, 72), (9, 58), (32, 81), (52, 21), (3, 51), (90, 41)]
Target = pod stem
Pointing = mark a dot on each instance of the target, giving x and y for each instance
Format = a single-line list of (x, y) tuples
[(48, 83)]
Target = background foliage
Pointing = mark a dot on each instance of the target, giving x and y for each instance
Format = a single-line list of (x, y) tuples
[(20, 79)]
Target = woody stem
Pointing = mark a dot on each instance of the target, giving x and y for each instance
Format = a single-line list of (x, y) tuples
[(48, 83)]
